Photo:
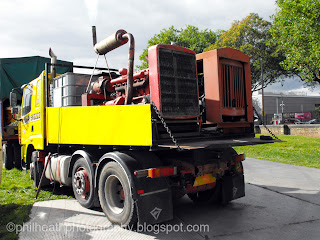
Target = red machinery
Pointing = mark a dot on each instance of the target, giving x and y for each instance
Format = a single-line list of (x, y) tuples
[(175, 95)]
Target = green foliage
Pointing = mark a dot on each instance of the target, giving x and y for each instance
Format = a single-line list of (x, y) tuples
[(190, 37), (17, 195), (250, 35), (297, 150), (295, 30)]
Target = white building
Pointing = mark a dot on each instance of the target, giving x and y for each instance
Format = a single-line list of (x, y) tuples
[(286, 103)]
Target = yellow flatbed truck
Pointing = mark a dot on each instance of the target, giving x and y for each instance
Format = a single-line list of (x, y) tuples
[(133, 142)]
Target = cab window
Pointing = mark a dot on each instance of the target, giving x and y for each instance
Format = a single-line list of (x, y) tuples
[(27, 96)]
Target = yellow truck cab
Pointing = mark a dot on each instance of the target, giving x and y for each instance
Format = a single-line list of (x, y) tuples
[(33, 120)]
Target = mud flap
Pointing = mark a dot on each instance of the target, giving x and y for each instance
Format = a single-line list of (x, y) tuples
[(232, 188), (155, 207)]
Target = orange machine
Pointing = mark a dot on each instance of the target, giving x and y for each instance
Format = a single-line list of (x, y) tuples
[(225, 74)]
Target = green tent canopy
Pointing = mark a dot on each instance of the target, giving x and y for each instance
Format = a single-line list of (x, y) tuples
[(14, 72)]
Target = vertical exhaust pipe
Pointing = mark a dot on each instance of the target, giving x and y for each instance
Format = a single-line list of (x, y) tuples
[(53, 69), (129, 90), (94, 35), (112, 42)]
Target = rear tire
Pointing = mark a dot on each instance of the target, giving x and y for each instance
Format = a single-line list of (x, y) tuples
[(7, 152), (17, 155), (115, 195), (208, 196), (82, 183)]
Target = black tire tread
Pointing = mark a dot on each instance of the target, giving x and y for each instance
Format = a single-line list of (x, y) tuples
[(7, 156), (132, 216)]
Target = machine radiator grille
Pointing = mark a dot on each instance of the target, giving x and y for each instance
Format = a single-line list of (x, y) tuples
[(178, 83), (233, 86)]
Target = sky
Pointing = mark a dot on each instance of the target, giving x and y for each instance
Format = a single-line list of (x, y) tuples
[(31, 27)]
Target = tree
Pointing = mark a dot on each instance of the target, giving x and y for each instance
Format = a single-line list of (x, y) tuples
[(295, 31), (190, 37), (250, 35)]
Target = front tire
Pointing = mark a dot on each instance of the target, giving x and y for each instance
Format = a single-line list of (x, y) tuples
[(115, 195), (36, 171), (7, 152), (82, 183)]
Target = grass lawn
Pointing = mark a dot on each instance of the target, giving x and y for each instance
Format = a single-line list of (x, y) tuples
[(17, 195), (297, 150)]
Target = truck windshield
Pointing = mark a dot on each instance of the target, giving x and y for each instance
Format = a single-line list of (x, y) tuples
[(27, 96)]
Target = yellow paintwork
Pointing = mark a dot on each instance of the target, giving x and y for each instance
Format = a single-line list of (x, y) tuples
[(204, 179), (94, 125), (32, 126), (128, 125)]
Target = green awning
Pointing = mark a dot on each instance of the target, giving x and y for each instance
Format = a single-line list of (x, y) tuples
[(14, 72)]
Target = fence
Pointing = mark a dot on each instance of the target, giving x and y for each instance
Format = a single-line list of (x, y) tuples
[(307, 130)]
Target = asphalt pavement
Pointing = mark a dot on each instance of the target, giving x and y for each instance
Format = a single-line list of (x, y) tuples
[(282, 202)]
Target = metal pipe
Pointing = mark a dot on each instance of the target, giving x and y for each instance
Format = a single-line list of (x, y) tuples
[(42, 175), (110, 43), (46, 84), (94, 35), (53, 69), (143, 83), (129, 91), (124, 78)]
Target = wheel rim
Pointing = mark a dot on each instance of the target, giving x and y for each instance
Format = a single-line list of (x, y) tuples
[(81, 183), (114, 194)]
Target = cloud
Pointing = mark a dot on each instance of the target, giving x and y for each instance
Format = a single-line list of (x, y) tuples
[(294, 85), (31, 27)]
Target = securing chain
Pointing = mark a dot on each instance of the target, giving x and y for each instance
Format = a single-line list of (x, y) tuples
[(166, 127), (271, 133), (203, 107)]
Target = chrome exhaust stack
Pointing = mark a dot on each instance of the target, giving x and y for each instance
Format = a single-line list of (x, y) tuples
[(53, 69)]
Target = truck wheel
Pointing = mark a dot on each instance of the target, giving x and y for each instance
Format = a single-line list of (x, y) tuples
[(36, 171), (17, 156), (7, 156), (203, 196), (209, 196), (115, 195), (82, 183)]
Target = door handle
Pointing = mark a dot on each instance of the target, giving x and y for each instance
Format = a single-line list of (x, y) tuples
[(31, 128)]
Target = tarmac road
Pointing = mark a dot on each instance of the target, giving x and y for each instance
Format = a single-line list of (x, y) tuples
[(282, 202)]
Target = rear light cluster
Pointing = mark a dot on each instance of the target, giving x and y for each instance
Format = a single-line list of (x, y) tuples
[(156, 172)]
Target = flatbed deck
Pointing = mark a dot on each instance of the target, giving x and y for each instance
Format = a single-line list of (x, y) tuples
[(216, 143)]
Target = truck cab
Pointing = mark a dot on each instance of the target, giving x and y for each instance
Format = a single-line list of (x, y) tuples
[(32, 124)]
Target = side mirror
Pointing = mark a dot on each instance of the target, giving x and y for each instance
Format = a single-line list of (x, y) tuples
[(13, 99), (15, 110)]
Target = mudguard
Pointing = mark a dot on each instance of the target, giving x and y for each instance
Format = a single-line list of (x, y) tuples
[(85, 155), (232, 188), (88, 157), (154, 201)]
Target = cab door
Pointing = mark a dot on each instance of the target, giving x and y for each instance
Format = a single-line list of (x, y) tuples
[(32, 114), (25, 116), (37, 119)]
